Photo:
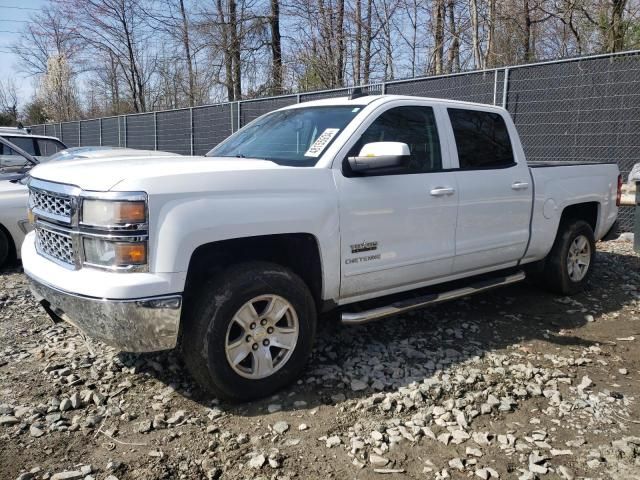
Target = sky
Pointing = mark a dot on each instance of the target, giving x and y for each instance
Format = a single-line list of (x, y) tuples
[(13, 16)]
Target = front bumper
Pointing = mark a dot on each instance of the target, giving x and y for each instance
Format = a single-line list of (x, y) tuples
[(131, 325)]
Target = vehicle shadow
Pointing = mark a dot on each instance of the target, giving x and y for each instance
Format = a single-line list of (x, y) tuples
[(397, 351)]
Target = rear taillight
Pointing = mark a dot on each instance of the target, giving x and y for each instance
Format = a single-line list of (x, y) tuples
[(619, 195)]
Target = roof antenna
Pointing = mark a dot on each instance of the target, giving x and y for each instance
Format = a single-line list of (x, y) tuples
[(357, 93)]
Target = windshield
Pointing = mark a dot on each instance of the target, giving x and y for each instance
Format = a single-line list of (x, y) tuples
[(295, 137)]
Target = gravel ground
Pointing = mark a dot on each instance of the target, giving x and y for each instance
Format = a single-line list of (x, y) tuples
[(516, 383)]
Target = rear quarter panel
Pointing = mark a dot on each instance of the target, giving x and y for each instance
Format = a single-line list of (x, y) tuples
[(561, 186)]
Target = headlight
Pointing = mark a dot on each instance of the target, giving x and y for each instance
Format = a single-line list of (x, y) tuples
[(113, 213), (114, 254)]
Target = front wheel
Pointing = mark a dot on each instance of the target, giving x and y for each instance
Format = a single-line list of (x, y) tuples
[(570, 263), (250, 331)]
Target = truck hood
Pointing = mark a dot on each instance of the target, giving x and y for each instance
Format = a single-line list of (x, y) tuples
[(104, 174)]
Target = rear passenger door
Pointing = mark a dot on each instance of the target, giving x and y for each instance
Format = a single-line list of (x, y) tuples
[(495, 192)]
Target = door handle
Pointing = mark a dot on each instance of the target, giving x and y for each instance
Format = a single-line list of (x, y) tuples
[(441, 191), (520, 186)]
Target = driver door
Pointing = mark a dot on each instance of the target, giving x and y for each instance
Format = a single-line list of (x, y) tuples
[(398, 227)]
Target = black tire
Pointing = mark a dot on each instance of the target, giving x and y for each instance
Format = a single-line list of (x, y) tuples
[(207, 321), (555, 275), (4, 248)]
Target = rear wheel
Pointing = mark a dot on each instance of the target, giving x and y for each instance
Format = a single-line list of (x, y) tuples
[(250, 331), (569, 265)]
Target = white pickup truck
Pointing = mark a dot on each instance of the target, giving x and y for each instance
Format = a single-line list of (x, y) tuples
[(317, 206)]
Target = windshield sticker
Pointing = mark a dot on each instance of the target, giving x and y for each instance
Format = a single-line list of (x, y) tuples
[(322, 141), (355, 110)]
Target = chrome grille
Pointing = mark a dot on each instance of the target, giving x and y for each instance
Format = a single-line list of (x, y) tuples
[(55, 245), (49, 204)]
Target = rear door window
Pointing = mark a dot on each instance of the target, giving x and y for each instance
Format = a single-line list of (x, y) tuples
[(48, 147), (482, 139)]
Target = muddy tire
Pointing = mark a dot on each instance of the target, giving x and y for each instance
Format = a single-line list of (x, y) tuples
[(249, 331), (569, 265)]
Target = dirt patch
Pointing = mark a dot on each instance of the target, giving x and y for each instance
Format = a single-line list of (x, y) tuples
[(516, 383)]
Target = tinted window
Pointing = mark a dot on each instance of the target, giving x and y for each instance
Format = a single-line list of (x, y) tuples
[(49, 147), (482, 139), (24, 143), (415, 126)]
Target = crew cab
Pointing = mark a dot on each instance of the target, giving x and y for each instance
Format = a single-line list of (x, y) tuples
[(372, 205)]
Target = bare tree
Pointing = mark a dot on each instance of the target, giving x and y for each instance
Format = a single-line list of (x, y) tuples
[(116, 27), (58, 91), (8, 102), (48, 33)]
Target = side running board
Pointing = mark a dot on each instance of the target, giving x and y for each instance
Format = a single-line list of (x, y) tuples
[(402, 306)]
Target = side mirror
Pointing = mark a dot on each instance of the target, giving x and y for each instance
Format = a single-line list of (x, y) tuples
[(380, 155)]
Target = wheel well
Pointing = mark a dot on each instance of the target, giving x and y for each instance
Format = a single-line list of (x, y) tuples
[(582, 211), (12, 247), (297, 251)]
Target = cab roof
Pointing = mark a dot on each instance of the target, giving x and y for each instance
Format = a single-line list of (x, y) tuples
[(369, 99)]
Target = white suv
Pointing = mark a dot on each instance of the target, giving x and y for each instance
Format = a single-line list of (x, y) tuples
[(39, 146)]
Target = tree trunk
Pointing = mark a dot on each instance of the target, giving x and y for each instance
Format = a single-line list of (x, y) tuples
[(489, 57), (341, 45), (414, 39), (235, 50), (526, 38), (475, 35), (616, 27), (276, 47), (226, 50), (439, 37), (187, 52), (453, 63), (367, 44), (357, 59)]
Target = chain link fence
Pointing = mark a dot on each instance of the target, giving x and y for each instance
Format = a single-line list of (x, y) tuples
[(584, 109)]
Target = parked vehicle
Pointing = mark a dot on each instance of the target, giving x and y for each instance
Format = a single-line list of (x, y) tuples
[(409, 201), (41, 147), (14, 224)]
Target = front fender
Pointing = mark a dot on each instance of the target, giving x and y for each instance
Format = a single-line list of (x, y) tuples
[(306, 203)]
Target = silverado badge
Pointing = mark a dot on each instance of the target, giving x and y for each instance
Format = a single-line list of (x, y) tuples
[(364, 247)]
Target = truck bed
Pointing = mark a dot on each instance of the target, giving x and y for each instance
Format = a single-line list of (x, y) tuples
[(570, 183), (548, 164)]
